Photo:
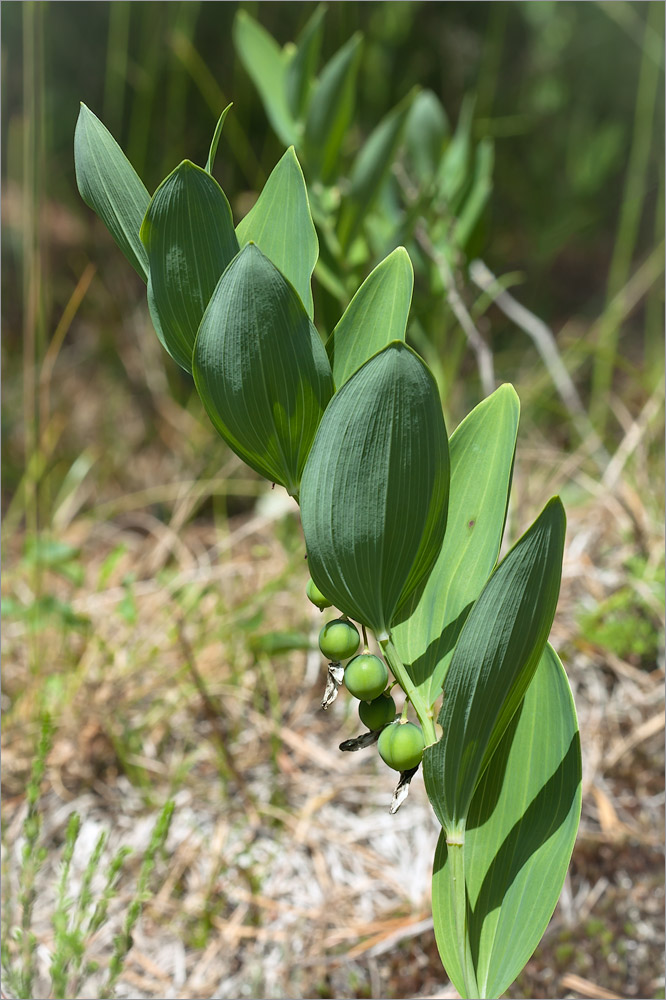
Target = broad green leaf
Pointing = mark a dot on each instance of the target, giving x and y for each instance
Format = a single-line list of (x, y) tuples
[(520, 833), (493, 663), (375, 487), (109, 184), (216, 138), (482, 449), (281, 225), (375, 316), (426, 129), (479, 193), (453, 172), (331, 109), (266, 64), (261, 369), (189, 235), (303, 62), (370, 168)]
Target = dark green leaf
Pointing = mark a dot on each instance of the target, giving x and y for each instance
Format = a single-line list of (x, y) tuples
[(375, 487), (109, 184), (375, 316), (281, 225), (303, 62), (493, 663), (216, 138), (266, 64), (482, 450), (331, 109), (261, 369), (189, 235), (520, 833), (370, 168)]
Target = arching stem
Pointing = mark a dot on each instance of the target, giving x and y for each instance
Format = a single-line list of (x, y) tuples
[(408, 686)]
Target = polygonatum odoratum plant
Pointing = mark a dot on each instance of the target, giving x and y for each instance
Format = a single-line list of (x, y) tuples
[(402, 527)]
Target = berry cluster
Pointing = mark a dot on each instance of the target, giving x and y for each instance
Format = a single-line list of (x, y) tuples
[(366, 677)]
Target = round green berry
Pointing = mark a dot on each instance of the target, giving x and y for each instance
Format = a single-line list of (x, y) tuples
[(339, 639), (315, 595), (401, 745), (366, 676), (377, 713)]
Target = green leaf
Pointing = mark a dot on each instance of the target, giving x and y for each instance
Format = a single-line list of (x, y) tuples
[(426, 129), (482, 449), (375, 316), (375, 487), (109, 184), (216, 138), (261, 369), (520, 834), (479, 193), (274, 643), (266, 64), (303, 63), (493, 663), (189, 235), (370, 168), (281, 225), (453, 173), (331, 109)]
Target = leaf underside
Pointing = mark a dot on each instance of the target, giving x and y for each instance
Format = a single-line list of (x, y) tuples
[(376, 315), (281, 225), (482, 449), (520, 834)]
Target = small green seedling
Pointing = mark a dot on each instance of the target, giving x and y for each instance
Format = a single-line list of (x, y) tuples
[(315, 595), (377, 713), (366, 676), (339, 639), (401, 745), (402, 525)]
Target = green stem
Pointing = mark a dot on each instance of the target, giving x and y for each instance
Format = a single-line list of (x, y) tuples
[(456, 848), (404, 680), (631, 210)]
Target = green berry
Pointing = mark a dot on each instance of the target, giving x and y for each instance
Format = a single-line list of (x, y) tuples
[(366, 676), (315, 595), (401, 745), (339, 639), (377, 713)]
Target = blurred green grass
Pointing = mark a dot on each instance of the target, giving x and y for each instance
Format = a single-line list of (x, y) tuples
[(571, 93), (93, 412)]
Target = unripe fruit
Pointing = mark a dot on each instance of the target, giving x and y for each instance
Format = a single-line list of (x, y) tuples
[(377, 713), (401, 745), (366, 676), (339, 639), (315, 595)]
